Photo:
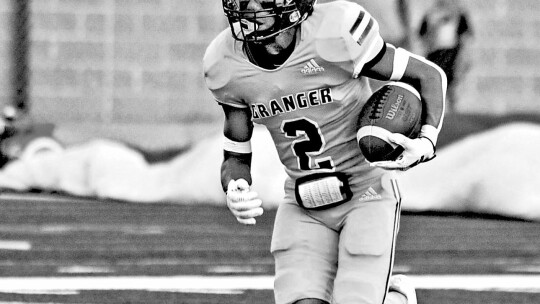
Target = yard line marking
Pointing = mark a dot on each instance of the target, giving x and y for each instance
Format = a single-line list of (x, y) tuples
[(3, 302), (79, 269), (66, 229), (15, 245), (40, 197), (235, 269), (233, 284), (523, 268)]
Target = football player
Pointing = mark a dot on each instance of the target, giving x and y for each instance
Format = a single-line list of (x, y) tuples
[(302, 70)]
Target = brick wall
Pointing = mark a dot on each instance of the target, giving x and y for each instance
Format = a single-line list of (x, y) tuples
[(139, 61), (121, 61)]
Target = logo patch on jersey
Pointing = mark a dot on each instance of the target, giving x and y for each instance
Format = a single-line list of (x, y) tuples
[(311, 68), (370, 195)]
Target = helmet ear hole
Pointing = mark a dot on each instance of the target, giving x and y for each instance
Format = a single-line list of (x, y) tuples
[(230, 4), (294, 17)]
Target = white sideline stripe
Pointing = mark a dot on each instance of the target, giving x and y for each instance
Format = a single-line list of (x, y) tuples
[(228, 284), (510, 282)]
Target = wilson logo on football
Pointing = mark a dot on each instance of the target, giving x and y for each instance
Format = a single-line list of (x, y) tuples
[(311, 68)]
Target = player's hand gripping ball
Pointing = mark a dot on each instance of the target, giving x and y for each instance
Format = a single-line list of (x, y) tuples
[(394, 108), (243, 202), (417, 151)]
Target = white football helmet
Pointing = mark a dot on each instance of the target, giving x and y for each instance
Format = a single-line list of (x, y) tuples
[(245, 22)]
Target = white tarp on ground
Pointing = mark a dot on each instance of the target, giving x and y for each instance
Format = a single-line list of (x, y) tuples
[(495, 172)]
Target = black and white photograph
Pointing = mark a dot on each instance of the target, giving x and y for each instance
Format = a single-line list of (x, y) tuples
[(269, 151)]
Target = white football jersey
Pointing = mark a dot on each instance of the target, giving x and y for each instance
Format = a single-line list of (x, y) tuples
[(312, 102)]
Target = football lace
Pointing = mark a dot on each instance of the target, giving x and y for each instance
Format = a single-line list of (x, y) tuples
[(380, 98)]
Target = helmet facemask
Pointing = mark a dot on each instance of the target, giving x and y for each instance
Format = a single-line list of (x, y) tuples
[(245, 23)]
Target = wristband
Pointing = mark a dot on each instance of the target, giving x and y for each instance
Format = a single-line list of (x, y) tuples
[(429, 132), (432, 144), (236, 146)]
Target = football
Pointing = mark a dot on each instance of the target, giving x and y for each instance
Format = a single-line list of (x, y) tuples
[(394, 108)]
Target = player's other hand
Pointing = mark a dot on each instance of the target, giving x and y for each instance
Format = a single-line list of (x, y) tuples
[(243, 202), (416, 151)]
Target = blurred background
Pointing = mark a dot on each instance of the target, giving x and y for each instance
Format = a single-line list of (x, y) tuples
[(131, 69)]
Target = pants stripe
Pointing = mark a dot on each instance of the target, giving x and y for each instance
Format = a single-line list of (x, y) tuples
[(397, 216)]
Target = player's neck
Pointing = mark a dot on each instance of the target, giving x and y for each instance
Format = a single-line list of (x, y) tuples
[(273, 53)]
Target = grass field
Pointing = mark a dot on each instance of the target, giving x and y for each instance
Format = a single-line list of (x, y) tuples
[(57, 249)]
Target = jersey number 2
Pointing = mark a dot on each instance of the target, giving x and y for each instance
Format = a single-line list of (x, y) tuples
[(311, 144)]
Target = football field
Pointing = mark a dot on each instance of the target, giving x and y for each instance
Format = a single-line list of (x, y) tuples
[(60, 249)]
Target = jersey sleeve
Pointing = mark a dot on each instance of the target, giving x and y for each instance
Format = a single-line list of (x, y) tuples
[(218, 73), (356, 36), (369, 43)]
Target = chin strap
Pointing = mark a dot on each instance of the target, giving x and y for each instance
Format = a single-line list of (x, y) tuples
[(270, 61)]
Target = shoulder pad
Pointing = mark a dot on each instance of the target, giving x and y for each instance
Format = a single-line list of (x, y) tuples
[(216, 74), (346, 32), (337, 17)]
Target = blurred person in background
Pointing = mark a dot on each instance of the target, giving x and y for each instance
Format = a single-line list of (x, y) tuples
[(394, 20), (445, 32)]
